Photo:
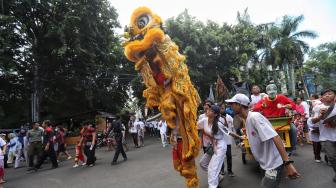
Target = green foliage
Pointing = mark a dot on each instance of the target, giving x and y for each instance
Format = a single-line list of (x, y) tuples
[(77, 53), (322, 64), (213, 49)]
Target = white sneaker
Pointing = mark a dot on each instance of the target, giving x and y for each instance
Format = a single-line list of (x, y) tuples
[(318, 161), (83, 164), (221, 177), (69, 157), (75, 166)]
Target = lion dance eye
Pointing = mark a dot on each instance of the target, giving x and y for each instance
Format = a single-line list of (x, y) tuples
[(143, 20)]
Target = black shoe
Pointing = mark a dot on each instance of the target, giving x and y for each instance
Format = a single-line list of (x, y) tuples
[(334, 179), (30, 169), (53, 167), (33, 168), (114, 163), (231, 174), (125, 159)]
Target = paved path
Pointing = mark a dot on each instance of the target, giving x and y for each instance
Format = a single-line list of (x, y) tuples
[(151, 167)]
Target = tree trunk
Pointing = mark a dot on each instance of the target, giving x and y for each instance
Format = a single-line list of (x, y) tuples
[(292, 78), (304, 83), (35, 94)]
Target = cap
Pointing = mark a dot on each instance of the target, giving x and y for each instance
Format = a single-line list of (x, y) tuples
[(327, 90), (240, 99)]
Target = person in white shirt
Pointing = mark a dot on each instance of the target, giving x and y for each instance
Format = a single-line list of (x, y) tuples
[(212, 160), (206, 107), (141, 132), (266, 145), (156, 128), (163, 132), (11, 147), (326, 120), (25, 149), (314, 133), (204, 138), (17, 152), (256, 95), (228, 122), (151, 128), (133, 130), (3, 147)]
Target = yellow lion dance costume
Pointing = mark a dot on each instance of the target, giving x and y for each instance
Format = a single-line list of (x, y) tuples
[(168, 86)]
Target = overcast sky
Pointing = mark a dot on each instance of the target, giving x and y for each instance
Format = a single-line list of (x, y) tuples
[(320, 15)]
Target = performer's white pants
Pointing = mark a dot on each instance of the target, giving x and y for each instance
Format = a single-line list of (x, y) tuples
[(213, 164), (25, 153), (17, 159), (164, 139)]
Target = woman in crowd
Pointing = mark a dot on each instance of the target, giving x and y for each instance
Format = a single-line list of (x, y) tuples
[(300, 108), (89, 142), (299, 124), (212, 160)]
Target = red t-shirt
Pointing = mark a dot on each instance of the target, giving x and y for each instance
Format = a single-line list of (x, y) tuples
[(269, 108), (300, 109)]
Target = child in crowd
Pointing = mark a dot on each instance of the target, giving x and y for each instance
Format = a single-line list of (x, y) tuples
[(299, 124), (79, 155)]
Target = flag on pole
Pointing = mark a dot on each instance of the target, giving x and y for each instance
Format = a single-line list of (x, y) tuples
[(222, 92)]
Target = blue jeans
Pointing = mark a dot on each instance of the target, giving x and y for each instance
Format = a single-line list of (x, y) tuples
[(293, 136), (272, 178)]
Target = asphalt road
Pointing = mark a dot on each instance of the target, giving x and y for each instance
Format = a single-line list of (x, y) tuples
[(151, 167)]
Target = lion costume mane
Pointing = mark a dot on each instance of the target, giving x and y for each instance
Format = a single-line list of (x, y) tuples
[(168, 86)]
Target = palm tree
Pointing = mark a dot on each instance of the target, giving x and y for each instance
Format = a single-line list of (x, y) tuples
[(290, 46), (270, 55)]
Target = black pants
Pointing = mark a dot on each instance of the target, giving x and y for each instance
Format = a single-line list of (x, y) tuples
[(135, 139), (330, 150), (5, 161), (119, 150), (49, 153), (317, 150), (90, 155), (228, 159)]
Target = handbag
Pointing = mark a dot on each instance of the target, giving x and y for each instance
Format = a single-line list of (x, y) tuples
[(209, 150)]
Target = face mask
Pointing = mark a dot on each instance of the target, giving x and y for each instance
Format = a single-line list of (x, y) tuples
[(271, 91)]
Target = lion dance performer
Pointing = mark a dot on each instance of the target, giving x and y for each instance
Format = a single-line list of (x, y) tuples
[(168, 86)]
